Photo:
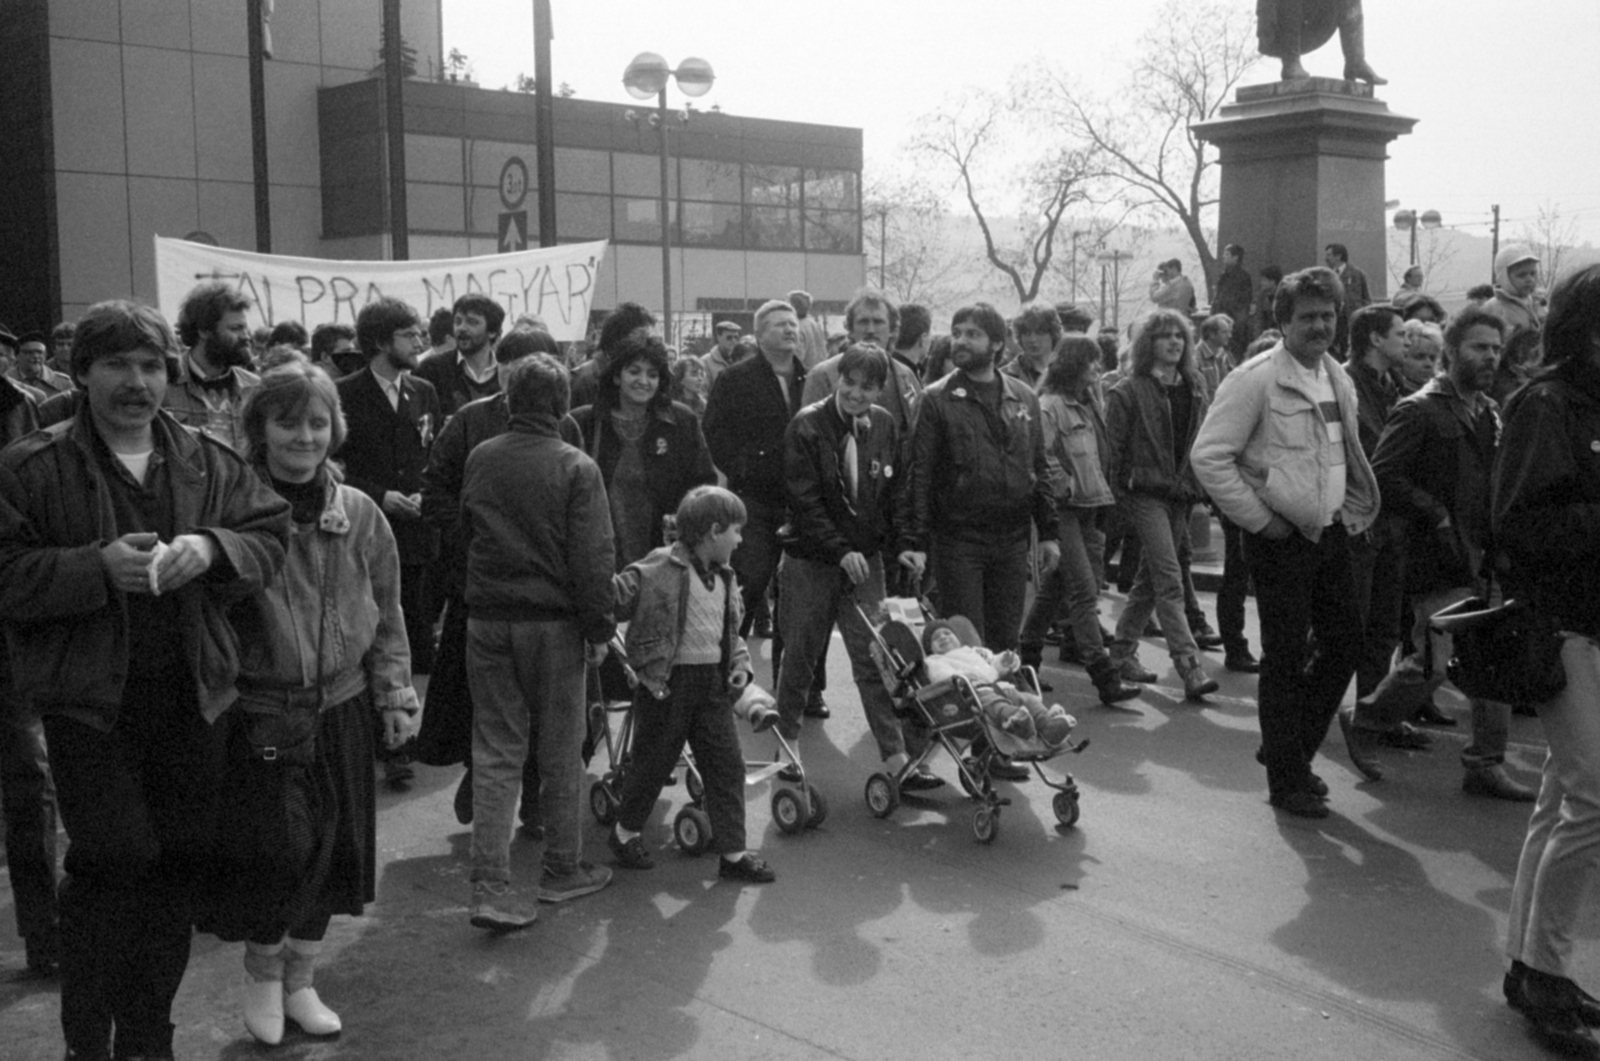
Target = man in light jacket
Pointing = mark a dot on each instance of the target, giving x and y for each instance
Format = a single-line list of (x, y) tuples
[(1280, 454)]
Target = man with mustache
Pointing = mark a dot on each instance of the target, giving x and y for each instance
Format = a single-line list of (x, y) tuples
[(213, 378), (1280, 453), (1433, 463)]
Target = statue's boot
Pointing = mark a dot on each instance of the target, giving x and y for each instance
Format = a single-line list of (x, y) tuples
[(1352, 38), (1291, 24)]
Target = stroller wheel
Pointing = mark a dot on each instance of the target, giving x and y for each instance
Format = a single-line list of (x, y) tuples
[(692, 829), (696, 787), (883, 795), (986, 824), (1065, 804), (789, 811), (819, 808), (602, 803)]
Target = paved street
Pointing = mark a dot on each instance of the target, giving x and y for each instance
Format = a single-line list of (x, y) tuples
[(1182, 918)]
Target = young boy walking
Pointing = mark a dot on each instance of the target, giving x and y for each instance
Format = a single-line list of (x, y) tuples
[(683, 608)]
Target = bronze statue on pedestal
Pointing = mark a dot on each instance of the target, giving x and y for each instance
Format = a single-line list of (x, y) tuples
[(1288, 29)]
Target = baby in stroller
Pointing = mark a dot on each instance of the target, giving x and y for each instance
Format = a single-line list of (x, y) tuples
[(1021, 713)]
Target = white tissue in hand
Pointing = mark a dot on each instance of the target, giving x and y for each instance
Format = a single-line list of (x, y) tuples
[(157, 554)]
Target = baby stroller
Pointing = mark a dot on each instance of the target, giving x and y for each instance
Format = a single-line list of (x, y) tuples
[(794, 808), (952, 714)]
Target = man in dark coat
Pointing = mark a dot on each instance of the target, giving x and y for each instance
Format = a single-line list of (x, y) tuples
[(1234, 295), (124, 538), (1433, 464)]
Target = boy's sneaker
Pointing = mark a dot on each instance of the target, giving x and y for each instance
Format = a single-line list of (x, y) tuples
[(631, 853), (587, 879), (751, 869), (495, 907)]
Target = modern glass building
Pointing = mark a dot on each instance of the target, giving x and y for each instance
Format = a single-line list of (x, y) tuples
[(126, 119)]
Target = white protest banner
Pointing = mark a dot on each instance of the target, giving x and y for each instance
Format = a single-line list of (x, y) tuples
[(557, 283)]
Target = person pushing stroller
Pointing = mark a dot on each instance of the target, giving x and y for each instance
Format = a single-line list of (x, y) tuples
[(682, 604)]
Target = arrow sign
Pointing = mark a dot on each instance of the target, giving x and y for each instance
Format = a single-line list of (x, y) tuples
[(513, 231)]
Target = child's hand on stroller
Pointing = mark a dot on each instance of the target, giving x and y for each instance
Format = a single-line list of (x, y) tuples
[(1008, 662)]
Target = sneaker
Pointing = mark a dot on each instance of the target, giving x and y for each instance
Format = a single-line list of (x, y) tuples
[(631, 853), (751, 869), (1301, 804), (921, 780), (495, 908), (1493, 781), (587, 879), (1196, 683), (1130, 670)]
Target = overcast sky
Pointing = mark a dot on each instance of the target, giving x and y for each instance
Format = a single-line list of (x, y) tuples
[(1506, 93)]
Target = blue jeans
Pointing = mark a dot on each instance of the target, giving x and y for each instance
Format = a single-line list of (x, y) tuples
[(28, 802), (526, 677), (1158, 588), (756, 559), (1074, 585), (986, 583), (1562, 851), (814, 596)]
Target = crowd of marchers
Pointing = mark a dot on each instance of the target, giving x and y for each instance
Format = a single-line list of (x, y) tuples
[(225, 556)]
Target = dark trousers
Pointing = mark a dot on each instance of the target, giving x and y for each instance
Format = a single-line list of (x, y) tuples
[(698, 712), (416, 591), (986, 582), (1302, 588), (1380, 594), (139, 803), (1234, 589), (756, 559), (28, 802)]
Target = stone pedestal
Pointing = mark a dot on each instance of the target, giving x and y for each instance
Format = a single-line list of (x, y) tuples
[(1302, 167)]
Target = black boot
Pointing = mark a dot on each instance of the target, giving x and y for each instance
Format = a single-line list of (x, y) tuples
[(1109, 684)]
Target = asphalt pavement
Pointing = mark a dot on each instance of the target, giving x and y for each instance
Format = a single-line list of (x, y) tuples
[(1181, 918)]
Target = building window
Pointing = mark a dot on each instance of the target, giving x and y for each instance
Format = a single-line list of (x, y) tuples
[(710, 181), (837, 231), (583, 216), (711, 225), (640, 175), (435, 208), (772, 185), (578, 170), (639, 220), (771, 228)]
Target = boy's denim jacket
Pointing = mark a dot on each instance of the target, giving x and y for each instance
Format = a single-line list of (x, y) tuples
[(653, 599)]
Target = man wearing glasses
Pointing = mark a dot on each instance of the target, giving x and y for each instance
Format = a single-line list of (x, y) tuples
[(391, 417)]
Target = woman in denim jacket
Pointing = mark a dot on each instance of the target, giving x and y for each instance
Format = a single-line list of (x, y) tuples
[(297, 841), (1075, 451)]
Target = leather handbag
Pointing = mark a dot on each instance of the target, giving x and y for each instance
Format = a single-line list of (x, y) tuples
[(1510, 652), (283, 732)]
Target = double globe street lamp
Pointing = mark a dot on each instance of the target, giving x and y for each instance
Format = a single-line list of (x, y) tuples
[(647, 75)]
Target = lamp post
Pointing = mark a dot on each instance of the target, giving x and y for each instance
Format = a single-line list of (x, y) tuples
[(647, 76), (1113, 258), (1407, 221)]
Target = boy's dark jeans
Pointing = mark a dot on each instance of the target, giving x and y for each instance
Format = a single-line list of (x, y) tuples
[(697, 711)]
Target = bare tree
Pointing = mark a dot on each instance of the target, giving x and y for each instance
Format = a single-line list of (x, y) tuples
[(906, 240), (1191, 58), (974, 139), (1553, 236), (1435, 252)]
